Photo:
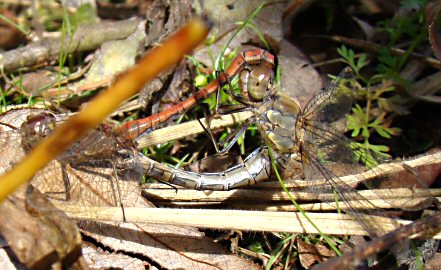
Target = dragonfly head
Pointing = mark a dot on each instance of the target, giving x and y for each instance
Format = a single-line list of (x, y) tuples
[(255, 82), (35, 128)]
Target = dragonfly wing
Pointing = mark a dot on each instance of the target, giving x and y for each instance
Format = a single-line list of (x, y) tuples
[(93, 172), (335, 101), (347, 198), (327, 154), (100, 171)]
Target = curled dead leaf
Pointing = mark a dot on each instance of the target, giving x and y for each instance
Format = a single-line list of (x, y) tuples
[(432, 11)]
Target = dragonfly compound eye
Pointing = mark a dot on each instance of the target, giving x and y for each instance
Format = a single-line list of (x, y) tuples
[(255, 83), (36, 128)]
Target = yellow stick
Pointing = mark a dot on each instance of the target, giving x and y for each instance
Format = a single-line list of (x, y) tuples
[(97, 110)]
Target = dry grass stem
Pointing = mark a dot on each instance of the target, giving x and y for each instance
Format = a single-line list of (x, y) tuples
[(280, 196), (330, 223), (189, 128)]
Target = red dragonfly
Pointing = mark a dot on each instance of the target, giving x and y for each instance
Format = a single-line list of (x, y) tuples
[(244, 61)]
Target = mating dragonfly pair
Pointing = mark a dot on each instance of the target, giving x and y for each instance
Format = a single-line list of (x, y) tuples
[(103, 168)]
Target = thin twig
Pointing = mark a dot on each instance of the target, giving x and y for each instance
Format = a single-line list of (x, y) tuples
[(361, 252), (373, 47), (85, 38)]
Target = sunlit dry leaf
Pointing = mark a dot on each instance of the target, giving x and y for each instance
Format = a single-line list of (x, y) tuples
[(115, 57), (171, 247), (98, 258), (6, 262), (227, 14), (39, 240)]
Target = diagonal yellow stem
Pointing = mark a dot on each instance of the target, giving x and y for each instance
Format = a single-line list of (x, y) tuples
[(99, 108)]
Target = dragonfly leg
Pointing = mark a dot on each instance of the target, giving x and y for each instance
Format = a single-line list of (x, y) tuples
[(207, 129), (233, 108), (216, 108), (118, 196), (234, 136), (239, 98), (225, 79), (55, 195)]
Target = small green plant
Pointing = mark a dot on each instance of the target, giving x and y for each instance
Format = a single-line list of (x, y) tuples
[(409, 25), (19, 27), (369, 119), (362, 122), (162, 154), (409, 28), (349, 58), (282, 249)]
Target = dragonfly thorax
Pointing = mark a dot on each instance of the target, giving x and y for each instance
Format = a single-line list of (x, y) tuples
[(278, 119), (279, 131)]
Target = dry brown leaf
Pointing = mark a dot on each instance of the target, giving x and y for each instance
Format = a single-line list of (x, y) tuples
[(432, 11), (311, 254), (118, 10), (10, 36), (434, 263), (101, 259), (164, 17), (421, 177), (300, 80), (38, 240), (214, 163), (35, 82), (171, 247), (226, 14)]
